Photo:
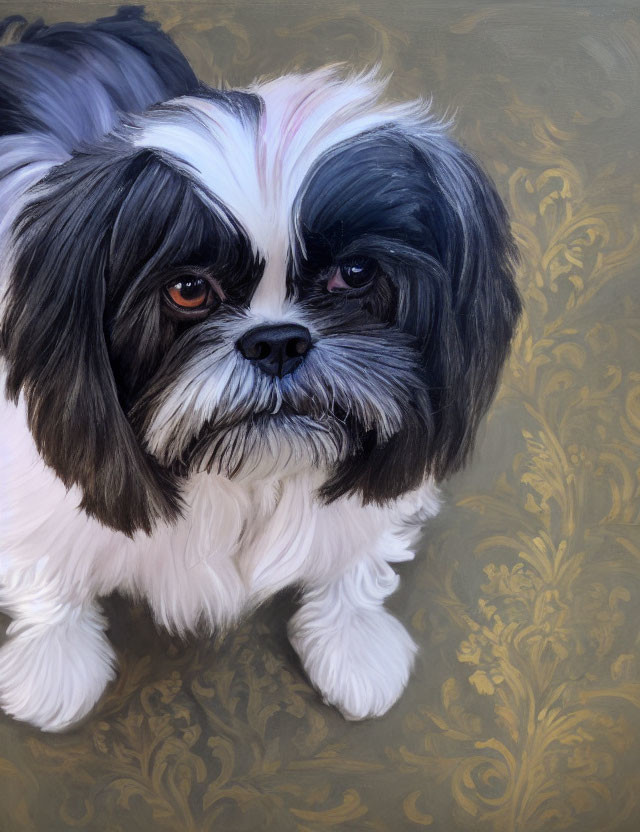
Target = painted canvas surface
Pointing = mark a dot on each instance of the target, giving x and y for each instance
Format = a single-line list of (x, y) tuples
[(523, 710)]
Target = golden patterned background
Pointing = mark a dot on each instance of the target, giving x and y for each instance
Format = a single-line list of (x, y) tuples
[(524, 711)]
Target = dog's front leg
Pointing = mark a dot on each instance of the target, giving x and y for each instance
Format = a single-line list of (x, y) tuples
[(355, 652), (56, 661)]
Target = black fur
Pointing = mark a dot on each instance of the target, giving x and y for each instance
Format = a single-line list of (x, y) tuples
[(74, 82), (429, 215), (53, 340), (83, 331)]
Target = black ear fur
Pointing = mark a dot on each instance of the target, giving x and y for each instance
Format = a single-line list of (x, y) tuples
[(379, 473), (479, 255), (52, 338), (459, 299)]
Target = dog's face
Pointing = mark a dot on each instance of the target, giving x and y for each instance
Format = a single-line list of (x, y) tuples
[(252, 284)]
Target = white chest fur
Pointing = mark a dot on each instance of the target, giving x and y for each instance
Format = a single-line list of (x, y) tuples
[(236, 544)]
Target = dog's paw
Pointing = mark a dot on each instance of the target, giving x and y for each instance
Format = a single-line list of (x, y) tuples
[(52, 677), (361, 666)]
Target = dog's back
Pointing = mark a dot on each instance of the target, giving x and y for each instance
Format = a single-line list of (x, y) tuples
[(73, 82)]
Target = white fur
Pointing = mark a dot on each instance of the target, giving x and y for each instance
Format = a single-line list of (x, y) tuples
[(238, 541), (354, 651), (237, 544)]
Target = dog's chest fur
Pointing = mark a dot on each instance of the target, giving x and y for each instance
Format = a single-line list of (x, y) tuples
[(236, 544)]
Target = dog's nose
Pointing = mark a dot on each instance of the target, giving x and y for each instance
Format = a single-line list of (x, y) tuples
[(277, 349)]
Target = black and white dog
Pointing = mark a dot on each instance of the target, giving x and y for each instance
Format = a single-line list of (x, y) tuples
[(243, 336)]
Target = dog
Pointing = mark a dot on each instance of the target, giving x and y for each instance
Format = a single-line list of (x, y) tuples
[(244, 335)]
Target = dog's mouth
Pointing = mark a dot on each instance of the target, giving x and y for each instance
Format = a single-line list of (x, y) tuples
[(284, 409), (273, 440)]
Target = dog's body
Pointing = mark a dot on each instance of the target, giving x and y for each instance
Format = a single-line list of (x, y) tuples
[(235, 545), (243, 336)]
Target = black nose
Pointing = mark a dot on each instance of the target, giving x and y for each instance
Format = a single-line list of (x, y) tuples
[(278, 349)]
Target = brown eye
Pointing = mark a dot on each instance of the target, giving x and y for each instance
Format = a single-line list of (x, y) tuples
[(189, 294), (358, 273), (193, 295)]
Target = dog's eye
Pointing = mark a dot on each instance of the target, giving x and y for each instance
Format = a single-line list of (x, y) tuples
[(193, 294), (358, 274), (189, 294)]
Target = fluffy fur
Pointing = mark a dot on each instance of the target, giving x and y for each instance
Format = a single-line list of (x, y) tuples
[(144, 449)]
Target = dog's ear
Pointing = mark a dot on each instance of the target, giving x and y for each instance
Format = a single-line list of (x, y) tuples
[(53, 341), (458, 298), (470, 333)]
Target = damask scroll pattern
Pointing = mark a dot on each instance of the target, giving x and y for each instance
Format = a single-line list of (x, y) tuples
[(552, 642)]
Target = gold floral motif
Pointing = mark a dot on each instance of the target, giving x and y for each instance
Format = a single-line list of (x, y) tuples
[(540, 643)]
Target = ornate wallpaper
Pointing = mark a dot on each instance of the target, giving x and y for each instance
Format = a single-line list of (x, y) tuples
[(524, 710)]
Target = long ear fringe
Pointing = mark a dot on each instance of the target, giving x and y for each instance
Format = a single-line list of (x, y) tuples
[(379, 473), (53, 342), (469, 329), (480, 256)]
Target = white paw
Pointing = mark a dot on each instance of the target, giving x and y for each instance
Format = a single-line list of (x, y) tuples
[(361, 663), (53, 676)]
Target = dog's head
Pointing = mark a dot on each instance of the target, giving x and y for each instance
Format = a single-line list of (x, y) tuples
[(253, 283)]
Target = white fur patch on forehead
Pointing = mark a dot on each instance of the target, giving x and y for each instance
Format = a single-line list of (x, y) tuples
[(256, 170), (211, 145), (306, 115)]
